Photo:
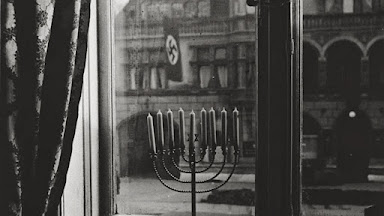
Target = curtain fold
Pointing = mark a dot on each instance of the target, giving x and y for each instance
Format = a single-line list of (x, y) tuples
[(43, 45)]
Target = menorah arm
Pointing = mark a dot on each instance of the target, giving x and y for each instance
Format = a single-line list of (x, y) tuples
[(170, 174), (198, 182), (189, 191), (198, 171), (162, 181), (182, 153), (226, 181)]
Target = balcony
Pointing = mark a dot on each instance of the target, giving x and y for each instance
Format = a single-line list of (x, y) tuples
[(342, 21), (189, 27)]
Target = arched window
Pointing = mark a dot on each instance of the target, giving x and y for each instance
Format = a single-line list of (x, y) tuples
[(343, 68)]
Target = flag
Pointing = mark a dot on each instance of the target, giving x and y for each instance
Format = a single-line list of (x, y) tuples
[(172, 49)]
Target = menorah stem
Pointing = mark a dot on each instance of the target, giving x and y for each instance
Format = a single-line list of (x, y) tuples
[(193, 181)]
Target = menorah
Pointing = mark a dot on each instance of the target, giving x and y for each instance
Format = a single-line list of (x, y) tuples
[(208, 141)]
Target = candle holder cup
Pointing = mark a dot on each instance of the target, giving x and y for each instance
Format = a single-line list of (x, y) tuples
[(208, 143)]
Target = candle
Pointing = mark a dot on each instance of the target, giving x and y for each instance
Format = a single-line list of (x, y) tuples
[(236, 130), (212, 119), (204, 136), (160, 129), (191, 131), (171, 132), (151, 133), (224, 131), (182, 128)]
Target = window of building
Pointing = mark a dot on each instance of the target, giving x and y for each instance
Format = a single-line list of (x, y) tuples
[(204, 8), (190, 9), (220, 53), (334, 6), (341, 134), (165, 10), (239, 8), (153, 11), (205, 76), (222, 72), (177, 10)]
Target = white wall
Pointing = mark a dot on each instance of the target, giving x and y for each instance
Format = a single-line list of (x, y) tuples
[(80, 196)]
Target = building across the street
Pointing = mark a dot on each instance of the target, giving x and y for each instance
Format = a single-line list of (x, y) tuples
[(343, 74)]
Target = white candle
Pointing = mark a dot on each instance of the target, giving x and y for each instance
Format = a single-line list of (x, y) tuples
[(171, 132), (191, 131), (236, 130), (182, 128), (224, 129), (204, 128), (160, 130), (151, 133), (212, 119)]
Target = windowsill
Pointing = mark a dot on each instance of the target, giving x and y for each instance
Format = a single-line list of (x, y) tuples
[(190, 91)]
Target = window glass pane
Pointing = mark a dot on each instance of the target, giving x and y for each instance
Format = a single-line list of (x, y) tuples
[(342, 143), (180, 54)]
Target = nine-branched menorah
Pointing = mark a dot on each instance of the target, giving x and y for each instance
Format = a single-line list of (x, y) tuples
[(208, 141)]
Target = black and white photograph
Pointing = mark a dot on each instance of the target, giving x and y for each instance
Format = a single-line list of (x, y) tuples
[(192, 108)]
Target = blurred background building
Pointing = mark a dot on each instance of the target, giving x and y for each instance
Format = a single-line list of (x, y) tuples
[(343, 74)]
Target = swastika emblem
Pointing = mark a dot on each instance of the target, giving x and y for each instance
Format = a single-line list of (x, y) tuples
[(172, 49)]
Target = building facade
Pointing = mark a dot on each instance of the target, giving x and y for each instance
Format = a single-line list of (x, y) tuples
[(342, 71)]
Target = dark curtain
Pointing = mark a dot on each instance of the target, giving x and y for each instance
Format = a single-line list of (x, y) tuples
[(43, 52)]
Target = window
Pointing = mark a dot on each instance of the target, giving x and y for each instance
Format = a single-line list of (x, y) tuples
[(190, 9), (204, 8), (177, 10), (239, 8), (123, 156), (206, 53), (342, 136)]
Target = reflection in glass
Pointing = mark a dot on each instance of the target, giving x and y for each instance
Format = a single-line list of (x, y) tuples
[(343, 130), (189, 54)]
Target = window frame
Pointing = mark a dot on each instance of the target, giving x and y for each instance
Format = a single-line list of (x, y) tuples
[(286, 126)]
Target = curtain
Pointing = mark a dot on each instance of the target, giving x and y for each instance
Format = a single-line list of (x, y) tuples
[(43, 51), (222, 71)]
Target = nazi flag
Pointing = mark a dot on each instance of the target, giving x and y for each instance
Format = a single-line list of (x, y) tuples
[(172, 49)]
